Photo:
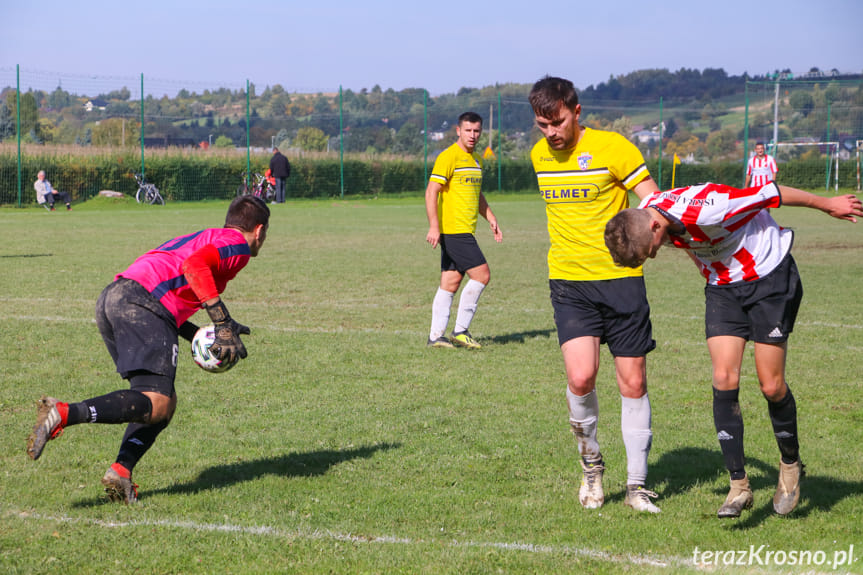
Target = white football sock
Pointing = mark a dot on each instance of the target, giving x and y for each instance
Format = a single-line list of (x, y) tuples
[(467, 305), (440, 313), (583, 412), (637, 437)]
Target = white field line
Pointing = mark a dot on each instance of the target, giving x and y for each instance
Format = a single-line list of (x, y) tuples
[(318, 534)]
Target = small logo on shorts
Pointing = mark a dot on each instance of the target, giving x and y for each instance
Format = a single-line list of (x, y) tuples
[(775, 333), (724, 436)]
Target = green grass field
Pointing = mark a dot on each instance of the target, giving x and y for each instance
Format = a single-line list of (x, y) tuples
[(344, 445)]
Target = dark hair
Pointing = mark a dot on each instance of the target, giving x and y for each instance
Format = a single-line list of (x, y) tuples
[(759, 143), (246, 213), (471, 117), (549, 93)]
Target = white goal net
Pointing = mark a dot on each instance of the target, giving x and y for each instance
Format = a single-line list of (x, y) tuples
[(826, 151)]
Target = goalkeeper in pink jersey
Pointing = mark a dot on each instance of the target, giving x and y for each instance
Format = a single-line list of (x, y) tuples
[(753, 293), (140, 316)]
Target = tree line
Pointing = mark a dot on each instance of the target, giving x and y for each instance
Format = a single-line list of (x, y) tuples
[(381, 120)]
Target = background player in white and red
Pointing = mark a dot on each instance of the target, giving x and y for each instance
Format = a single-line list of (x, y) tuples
[(761, 168)]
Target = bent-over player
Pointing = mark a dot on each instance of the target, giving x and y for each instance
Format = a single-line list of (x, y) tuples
[(753, 293)]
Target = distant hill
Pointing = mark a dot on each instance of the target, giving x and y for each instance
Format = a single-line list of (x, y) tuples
[(693, 85)]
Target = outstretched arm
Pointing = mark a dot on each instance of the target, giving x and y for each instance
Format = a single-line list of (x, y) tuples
[(645, 188), (485, 211), (844, 207)]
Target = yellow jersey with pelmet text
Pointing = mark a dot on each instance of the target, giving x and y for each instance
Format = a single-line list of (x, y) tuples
[(460, 174), (583, 188)]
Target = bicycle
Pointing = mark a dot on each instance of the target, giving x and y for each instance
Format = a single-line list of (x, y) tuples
[(147, 193), (246, 187), (257, 185)]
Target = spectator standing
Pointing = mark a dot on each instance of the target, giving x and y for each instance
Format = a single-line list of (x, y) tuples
[(280, 168)]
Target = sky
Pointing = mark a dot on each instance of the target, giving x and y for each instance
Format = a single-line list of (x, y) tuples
[(442, 46)]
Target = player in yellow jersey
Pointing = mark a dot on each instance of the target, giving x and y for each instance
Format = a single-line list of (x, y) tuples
[(584, 176), (453, 200)]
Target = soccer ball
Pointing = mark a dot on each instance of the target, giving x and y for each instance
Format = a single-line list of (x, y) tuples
[(201, 343)]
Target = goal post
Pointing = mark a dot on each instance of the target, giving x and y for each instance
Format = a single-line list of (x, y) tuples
[(791, 150)]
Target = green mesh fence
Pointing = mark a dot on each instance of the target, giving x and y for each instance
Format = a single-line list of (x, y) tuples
[(200, 139)]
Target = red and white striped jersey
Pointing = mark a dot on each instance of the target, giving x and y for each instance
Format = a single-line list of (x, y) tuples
[(762, 170), (729, 231)]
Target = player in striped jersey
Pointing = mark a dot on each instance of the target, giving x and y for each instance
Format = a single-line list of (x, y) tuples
[(753, 293), (761, 168), (140, 315), (454, 198), (584, 176)]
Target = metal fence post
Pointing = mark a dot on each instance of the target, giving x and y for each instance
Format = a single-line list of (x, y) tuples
[(18, 129), (142, 126)]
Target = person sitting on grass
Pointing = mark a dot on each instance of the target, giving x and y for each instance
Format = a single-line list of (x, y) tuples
[(753, 293), (46, 194)]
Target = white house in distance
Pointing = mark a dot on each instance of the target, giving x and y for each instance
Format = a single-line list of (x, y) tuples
[(95, 104), (645, 136)]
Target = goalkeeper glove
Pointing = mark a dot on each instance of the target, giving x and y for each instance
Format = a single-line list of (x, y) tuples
[(227, 344)]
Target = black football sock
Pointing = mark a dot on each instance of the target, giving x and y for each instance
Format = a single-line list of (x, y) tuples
[(78, 413), (120, 406), (729, 430), (783, 416), (139, 437)]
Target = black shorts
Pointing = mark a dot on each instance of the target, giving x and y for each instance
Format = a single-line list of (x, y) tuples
[(459, 252), (763, 311), (140, 334), (615, 310)]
